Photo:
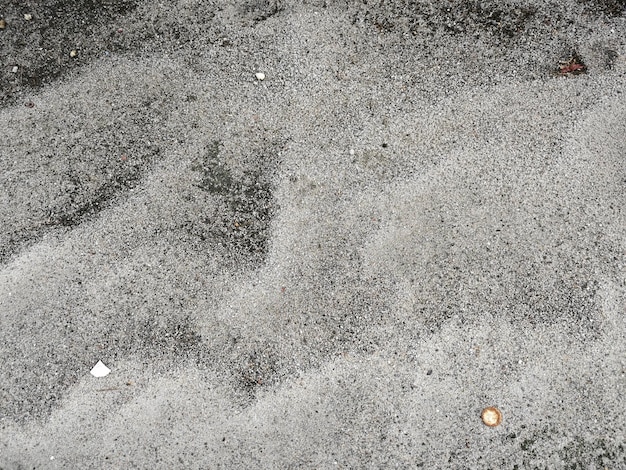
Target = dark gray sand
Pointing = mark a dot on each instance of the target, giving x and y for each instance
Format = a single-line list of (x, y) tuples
[(417, 212)]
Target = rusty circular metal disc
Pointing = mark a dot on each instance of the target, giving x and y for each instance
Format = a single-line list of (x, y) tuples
[(491, 416)]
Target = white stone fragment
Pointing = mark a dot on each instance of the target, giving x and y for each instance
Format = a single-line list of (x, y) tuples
[(15, 69), (260, 76), (100, 370)]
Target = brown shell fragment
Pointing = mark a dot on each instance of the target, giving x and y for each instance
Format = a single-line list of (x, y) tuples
[(491, 416)]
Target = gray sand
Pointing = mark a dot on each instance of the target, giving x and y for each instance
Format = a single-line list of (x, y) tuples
[(412, 217)]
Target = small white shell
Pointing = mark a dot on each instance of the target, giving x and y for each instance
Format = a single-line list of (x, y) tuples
[(100, 370)]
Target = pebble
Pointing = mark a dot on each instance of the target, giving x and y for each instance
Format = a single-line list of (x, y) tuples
[(260, 76), (73, 53), (28, 17), (3, 24), (15, 69)]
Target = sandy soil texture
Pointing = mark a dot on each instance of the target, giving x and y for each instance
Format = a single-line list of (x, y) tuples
[(312, 234)]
